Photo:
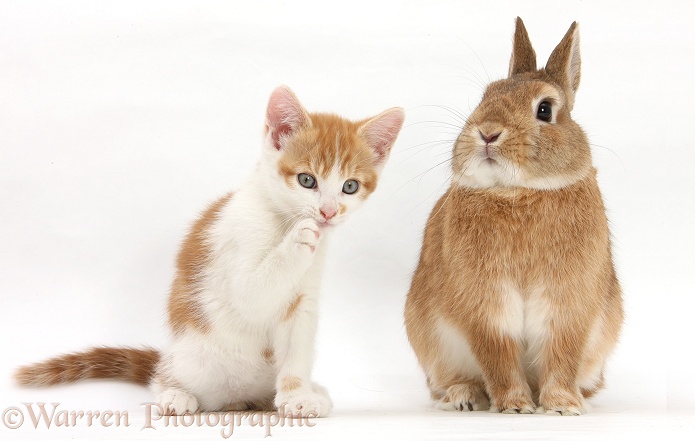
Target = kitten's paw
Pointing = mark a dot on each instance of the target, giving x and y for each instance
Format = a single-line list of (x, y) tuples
[(307, 235), (305, 404), (177, 402), (310, 405), (561, 402), (465, 397), (317, 388), (511, 402)]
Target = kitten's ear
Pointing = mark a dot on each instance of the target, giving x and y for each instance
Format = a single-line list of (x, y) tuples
[(284, 115), (381, 132)]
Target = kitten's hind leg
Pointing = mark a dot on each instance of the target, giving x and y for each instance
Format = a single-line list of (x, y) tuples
[(174, 401)]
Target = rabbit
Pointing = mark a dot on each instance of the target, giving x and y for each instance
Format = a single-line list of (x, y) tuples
[(515, 304)]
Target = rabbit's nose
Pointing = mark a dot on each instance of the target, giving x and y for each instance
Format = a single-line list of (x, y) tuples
[(490, 137)]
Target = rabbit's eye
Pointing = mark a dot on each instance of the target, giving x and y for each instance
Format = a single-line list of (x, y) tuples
[(545, 111)]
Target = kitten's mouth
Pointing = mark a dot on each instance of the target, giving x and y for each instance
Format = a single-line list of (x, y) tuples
[(489, 161), (323, 223)]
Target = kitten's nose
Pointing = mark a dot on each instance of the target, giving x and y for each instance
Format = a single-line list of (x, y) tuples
[(328, 212)]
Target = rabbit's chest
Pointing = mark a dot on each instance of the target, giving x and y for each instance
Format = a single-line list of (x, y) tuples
[(517, 237), (526, 316)]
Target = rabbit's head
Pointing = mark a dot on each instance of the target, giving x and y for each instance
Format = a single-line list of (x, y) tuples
[(522, 134)]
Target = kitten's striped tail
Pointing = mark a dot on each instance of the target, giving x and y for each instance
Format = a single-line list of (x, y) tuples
[(134, 365)]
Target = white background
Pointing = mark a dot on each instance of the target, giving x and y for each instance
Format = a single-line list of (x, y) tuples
[(120, 121)]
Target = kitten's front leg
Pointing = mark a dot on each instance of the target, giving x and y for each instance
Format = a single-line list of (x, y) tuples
[(294, 343), (262, 293)]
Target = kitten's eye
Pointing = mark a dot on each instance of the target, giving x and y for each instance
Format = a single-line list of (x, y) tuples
[(350, 186), (545, 111), (306, 180)]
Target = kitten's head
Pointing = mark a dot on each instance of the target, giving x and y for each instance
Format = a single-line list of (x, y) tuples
[(323, 166)]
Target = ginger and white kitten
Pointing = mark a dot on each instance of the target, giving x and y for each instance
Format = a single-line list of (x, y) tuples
[(243, 305)]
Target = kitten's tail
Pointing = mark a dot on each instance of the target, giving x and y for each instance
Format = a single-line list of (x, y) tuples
[(134, 365)]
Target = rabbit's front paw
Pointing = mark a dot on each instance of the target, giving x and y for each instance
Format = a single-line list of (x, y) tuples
[(561, 402), (513, 402), (465, 397)]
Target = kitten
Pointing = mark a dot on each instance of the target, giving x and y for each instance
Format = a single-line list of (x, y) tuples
[(243, 304)]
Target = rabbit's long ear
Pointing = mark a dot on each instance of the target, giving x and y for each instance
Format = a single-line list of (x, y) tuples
[(523, 55), (564, 64)]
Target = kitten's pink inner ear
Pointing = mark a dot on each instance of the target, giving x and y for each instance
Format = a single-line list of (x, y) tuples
[(284, 115), (382, 130)]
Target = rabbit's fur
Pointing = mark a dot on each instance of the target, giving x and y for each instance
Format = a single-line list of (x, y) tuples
[(515, 304)]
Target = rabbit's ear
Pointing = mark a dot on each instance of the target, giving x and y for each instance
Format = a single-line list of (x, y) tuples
[(523, 55), (564, 64)]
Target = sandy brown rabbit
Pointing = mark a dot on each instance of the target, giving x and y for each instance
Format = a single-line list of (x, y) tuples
[(515, 304)]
